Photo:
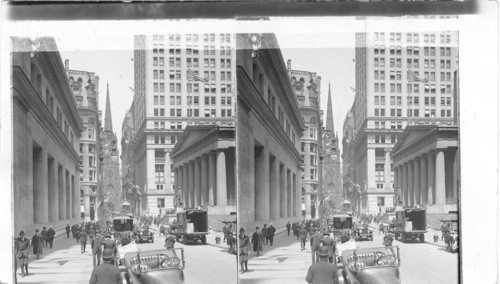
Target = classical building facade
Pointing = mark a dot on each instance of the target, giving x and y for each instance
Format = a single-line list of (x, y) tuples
[(426, 166), (204, 164), (180, 80), (307, 89), (85, 88), (332, 169), (46, 130), (268, 137), (111, 178), (401, 79)]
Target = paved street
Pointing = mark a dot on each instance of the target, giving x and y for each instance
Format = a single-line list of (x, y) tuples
[(285, 263), (65, 264)]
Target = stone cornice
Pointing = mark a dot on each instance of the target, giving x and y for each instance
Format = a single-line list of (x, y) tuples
[(249, 96), (52, 64), (27, 94)]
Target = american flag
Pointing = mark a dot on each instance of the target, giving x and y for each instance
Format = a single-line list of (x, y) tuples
[(191, 76), (415, 78)]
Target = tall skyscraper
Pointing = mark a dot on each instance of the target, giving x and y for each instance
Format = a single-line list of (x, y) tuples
[(401, 79), (180, 79), (85, 88), (307, 88)]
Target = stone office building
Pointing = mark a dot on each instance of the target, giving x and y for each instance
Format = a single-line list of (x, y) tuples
[(204, 169), (267, 137), (46, 130)]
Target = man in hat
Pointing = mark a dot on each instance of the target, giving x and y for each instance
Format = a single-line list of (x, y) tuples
[(263, 232), (96, 248), (322, 271), (50, 236), (37, 244), (329, 243), (244, 250), (43, 233), (169, 242), (82, 237), (111, 244), (316, 244), (68, 228), (106, 273), (288, 227), (270, 233), (22, 246), (257, 241), (302, 237)]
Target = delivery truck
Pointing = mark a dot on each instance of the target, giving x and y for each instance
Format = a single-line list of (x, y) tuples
[(192, 226), (411, 224)]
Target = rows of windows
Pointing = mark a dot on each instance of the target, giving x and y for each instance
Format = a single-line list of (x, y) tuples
[(385, 139), (397, 112), (391, 124), (223, 38), (191, 100), (413, 37)]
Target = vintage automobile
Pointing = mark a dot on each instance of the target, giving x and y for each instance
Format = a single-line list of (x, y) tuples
[(378, 265), (144, 235), (364, 233), (164, 266)]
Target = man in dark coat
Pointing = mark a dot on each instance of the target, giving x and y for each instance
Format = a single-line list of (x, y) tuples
[(111, 244), (82, 237), (68, 228), (329, 243), (257, 241), (288, 227), (22, 246), (303, 237), (244, 250), (106, 273), (96, 244), (37, 244), (74, 231), (270, 233), (295, 230), (43, 233), (322, 272), (264, 234), (50, 236)]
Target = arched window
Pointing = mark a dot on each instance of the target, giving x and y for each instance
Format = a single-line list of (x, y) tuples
[(91, 121), (313, 121)]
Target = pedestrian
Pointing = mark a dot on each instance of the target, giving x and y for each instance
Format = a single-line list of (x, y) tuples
[(50, 235), (111, 244), (82, 238), (303, 237), (316, 245), (329, 242), (264, 234), (96, 246), (270, 233), (449, 241), (257, 241), (444, 229), (68, 228), (169, 242), (43, 233), (244, 250), (37, 244), (231, 242), (322, 272), (22, 247), (288, 227), (91, 233), (162, 230), (106, 273), (73, 231), (294, 229)]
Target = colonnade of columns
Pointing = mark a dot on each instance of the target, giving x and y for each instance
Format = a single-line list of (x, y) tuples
[(54, 197), (204, 180), (275, 185), (427, 178)]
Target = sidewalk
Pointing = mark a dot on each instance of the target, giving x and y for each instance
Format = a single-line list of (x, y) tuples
[(283, 262), (64, 263)]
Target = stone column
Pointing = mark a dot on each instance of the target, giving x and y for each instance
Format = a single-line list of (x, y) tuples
[(191, 184), (261, 183), (62, 194), (212, 179), (86, 205), (416, 181), (395, 189), (387, 169), (289, 196), (440, 178), (221, 179), (411, 190), (404, 186), (197, 182), (431, 179), (185, 185), (204, 179), (176, 179), (282, 189), (295, 195), (423, 179), (72, 195), (168, 171), (274, 187), (308, 205)]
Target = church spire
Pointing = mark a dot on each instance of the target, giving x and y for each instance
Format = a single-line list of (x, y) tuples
[(108, 125), (329, 112)]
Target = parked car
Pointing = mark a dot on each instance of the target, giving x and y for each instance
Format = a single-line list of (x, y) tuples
[(364, 233), (378, 265), (144, 235), (154, 267)]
